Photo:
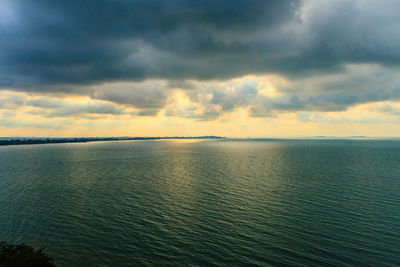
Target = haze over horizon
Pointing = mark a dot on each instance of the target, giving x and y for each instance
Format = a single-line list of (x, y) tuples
[(194, 68)]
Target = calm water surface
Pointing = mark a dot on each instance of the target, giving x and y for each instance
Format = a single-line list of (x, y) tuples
[(223, 202)]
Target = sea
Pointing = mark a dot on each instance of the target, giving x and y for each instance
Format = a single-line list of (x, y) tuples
[(245, 202)]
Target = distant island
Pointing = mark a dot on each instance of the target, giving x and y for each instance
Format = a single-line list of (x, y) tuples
[(6, 141)]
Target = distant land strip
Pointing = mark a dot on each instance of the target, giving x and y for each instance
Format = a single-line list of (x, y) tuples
[(56, 140)]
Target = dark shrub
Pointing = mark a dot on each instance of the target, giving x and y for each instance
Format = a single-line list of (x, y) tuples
[(23, 255)]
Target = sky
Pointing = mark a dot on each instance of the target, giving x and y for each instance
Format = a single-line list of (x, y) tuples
[(234, 68)]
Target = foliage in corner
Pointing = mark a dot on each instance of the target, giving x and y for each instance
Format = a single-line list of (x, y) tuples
[(23, 255)]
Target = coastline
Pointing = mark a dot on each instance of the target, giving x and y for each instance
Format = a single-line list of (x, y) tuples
[(39, 141)]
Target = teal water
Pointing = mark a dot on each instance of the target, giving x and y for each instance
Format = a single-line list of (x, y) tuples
[(221, 202)]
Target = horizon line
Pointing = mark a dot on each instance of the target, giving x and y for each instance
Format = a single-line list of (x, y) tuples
[(195, 137)]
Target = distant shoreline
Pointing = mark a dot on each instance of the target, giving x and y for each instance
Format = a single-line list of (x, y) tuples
[(39, 141), (9, 141)]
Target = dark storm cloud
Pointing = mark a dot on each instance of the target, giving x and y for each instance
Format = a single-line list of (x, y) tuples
[(48, 42), (88, 42)]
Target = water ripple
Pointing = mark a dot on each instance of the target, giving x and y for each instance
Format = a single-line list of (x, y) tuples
[(279, 203)]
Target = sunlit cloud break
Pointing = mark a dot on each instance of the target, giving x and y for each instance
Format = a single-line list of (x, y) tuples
[(231, 68)]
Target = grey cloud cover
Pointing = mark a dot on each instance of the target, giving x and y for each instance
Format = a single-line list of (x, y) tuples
[(57, 107), (81, 42), (333, 53), (85, 42), (144, 95), (357, 84)]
